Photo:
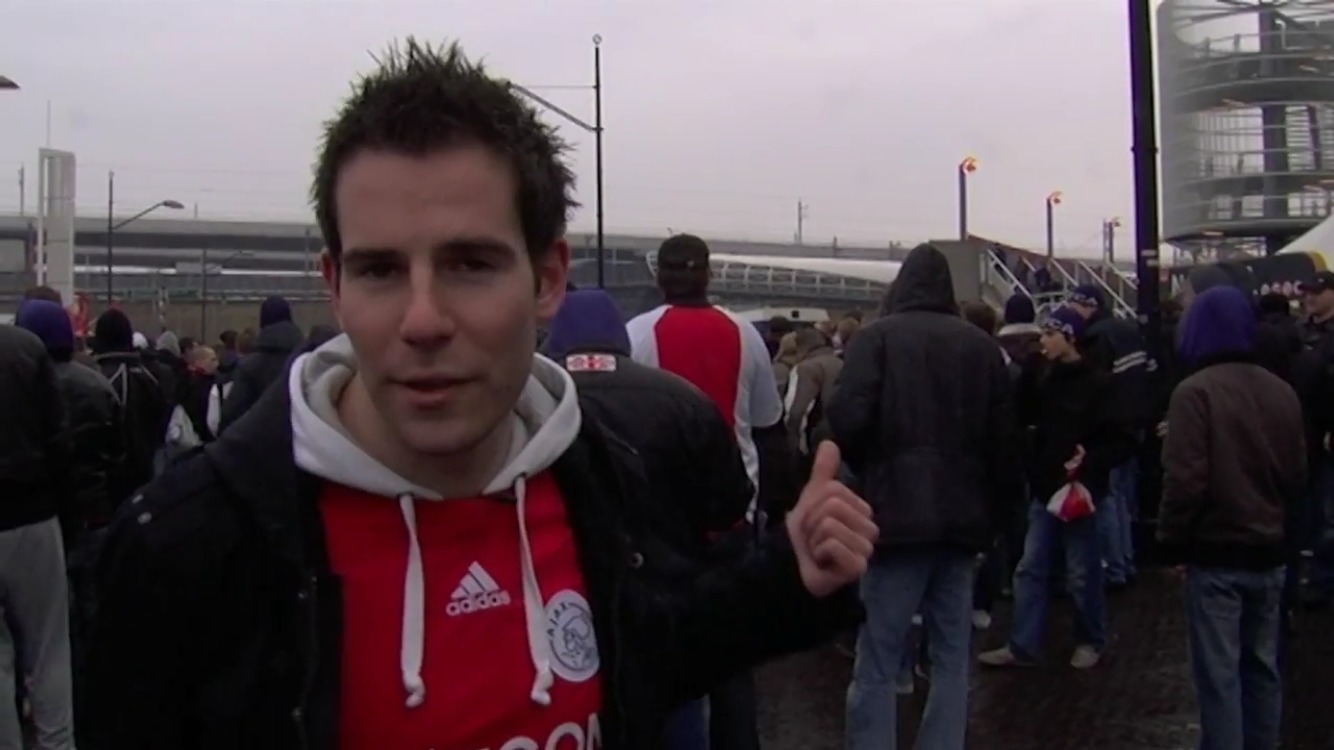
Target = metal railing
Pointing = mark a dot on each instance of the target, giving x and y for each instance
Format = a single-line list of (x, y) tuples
[(998, 277)]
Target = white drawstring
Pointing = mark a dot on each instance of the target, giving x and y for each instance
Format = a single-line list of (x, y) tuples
[(414, 607), (414, 610), (534, 610)]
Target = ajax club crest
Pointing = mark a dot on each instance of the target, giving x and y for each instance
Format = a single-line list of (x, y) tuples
[(569, 628)]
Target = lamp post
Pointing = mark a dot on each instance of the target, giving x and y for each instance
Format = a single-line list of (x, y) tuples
[(1053, 200), (1144, 146), (113, 225), (595, 128), (1109, 227), (966, 167)]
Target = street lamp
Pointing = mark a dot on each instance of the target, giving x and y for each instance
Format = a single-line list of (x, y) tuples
[(595, 129), (1053, 200), (1109, 227), (113, 225), (966, 167), (8, 84)]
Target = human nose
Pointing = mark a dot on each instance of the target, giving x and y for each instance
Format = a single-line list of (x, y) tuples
[(426, 321)]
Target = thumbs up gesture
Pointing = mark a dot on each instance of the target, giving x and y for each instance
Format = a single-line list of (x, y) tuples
[(831, 529)]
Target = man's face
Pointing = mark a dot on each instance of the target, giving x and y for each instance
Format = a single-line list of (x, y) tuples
[(1085, 311), (1319, 302), (437, 294), (1054, 344)]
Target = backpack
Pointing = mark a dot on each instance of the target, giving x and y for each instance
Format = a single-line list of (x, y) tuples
[(143, 423)]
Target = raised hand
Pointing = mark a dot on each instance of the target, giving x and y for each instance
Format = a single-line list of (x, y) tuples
[(831, 528)]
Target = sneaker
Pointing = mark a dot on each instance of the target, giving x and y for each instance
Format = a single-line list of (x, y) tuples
[(904, 684), (981, 619), (1002, 657), (1085, 657)]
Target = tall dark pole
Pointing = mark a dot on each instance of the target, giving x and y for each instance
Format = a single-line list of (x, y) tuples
[(963, 203), (597, 139), (1051, 229), (1145, 150), (111, 232)]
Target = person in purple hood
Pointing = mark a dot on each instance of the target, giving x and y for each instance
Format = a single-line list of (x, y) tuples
[(93, 417), (689, 452)]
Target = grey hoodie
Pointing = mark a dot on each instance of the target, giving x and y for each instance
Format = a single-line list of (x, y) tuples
[(546, 421)]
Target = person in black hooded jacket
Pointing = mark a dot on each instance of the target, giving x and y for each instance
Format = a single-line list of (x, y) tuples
[(278, 339), (143, 403), (94, 416), (924, 416)]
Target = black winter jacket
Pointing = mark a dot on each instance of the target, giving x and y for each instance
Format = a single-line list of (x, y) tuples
[(144, 416), (219, 618), (34, 452), (690, 455), (1071, 404), (261, 368), (1115, 346), (924, 416), (96, 441)]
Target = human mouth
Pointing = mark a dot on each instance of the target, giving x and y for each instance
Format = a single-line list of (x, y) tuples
[(429, 392)]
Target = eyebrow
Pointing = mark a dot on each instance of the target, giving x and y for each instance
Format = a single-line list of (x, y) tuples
[(455, 245)]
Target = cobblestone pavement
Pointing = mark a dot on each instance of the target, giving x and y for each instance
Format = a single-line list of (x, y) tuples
[(1138, 698)]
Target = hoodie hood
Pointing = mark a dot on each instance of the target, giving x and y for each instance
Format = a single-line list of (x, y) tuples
[(113, 333), (546, 421), (924, 283), (589, 320), (50, 322), (168, 342), (1218, 323)]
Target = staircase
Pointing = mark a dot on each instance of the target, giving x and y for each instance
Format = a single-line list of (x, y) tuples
[(1067, 274)]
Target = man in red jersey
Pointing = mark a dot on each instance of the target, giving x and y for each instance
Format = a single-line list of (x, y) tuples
[(727, 359), (716, 351), (420, 540)]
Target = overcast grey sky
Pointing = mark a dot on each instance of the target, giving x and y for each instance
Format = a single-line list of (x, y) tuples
[(719, 114)]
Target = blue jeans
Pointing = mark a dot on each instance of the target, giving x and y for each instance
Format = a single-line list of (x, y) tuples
[(1116, 522), (1233, 622), (1032, 581), (939, 584), (688, 727)]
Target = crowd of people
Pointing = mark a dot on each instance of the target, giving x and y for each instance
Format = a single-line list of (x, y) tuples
[(440, 528)]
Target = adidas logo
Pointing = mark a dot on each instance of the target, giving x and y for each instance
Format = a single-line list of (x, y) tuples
[(476, 592)]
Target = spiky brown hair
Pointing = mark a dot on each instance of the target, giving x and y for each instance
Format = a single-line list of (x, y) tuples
[(422, 97)]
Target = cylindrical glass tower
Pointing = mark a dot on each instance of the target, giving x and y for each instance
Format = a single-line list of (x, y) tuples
[(1247, 123)]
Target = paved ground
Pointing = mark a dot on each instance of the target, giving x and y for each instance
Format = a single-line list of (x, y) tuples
[(1139, 698)]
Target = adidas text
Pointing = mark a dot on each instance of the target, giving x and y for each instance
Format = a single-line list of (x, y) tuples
[(477, 603)]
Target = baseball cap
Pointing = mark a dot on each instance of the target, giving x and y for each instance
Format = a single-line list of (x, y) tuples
[(683, 252), (1322, 281)]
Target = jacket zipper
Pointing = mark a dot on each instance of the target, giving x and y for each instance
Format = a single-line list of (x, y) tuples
[(312, 660)]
